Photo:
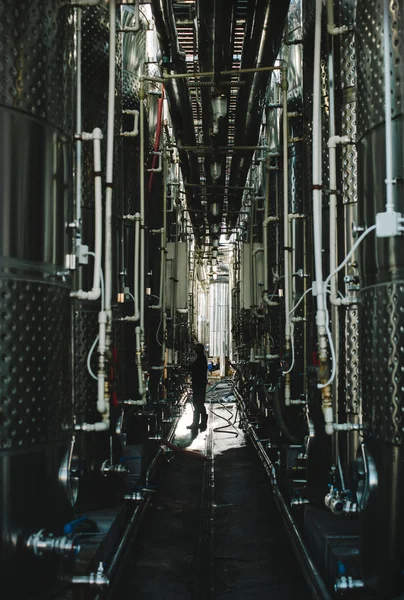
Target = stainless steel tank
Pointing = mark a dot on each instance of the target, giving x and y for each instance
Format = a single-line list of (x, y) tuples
[(36, 413), (382, 282)]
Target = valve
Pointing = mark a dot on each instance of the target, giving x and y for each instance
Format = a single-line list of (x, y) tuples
[(97, 580), (135, 496), (299, 501), (340, 503), (41, 543), (348, 583), (108, 469)]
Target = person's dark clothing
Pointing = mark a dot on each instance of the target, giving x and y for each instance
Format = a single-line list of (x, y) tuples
[(199, 379), (199, 372)]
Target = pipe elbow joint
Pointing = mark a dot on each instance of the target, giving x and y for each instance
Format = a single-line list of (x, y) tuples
[(338, 139), (97, 134), (94, 294)]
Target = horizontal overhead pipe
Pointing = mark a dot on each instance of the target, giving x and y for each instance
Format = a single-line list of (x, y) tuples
[(261, 45), (177, 91)]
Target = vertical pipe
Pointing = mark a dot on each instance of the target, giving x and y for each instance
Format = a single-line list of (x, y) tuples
[(317, 180), (335, 301), (142, 209), (286, 236), (110, 159), (321, 316), (94, 294), (136, 267), (286, 206), (163, 295), (387, 109), (265, 227), (252, 277), (174, 280), (78, 123)]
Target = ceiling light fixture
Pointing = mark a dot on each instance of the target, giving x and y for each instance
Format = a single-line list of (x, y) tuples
[(215, 170), (219, 106), (214, 209)]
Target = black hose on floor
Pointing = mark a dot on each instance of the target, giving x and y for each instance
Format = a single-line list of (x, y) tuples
[(278, 405)]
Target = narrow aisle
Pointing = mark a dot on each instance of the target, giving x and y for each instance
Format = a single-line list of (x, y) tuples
[(213, 530), (164, 558), (252, 556)]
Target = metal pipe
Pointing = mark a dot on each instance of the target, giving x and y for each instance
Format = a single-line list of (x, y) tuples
[(162, 262), (177, 94), (78, 124), (163, 293), (110, 162), (286, 236), (94, 294), (262, 40), (255, 279), (136, 311), (141, 387), (142, 209), (387, 108), (234, 72), (226, 149)]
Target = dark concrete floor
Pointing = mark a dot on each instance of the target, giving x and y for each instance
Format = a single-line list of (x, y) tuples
[(213, 530)]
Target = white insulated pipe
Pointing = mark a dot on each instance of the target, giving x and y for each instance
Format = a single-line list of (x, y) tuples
[(78, 118), (135, 131), (287, 269), (101, 402), (286, 232), (317, 189), (99, 426), (142, 208), (163, 293), (387, 108), (318, 285), (94, 294), (136, 266), (160, 164), (110, 158)]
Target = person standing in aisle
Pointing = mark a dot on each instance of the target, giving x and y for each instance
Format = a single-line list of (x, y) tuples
[(199, 380)]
